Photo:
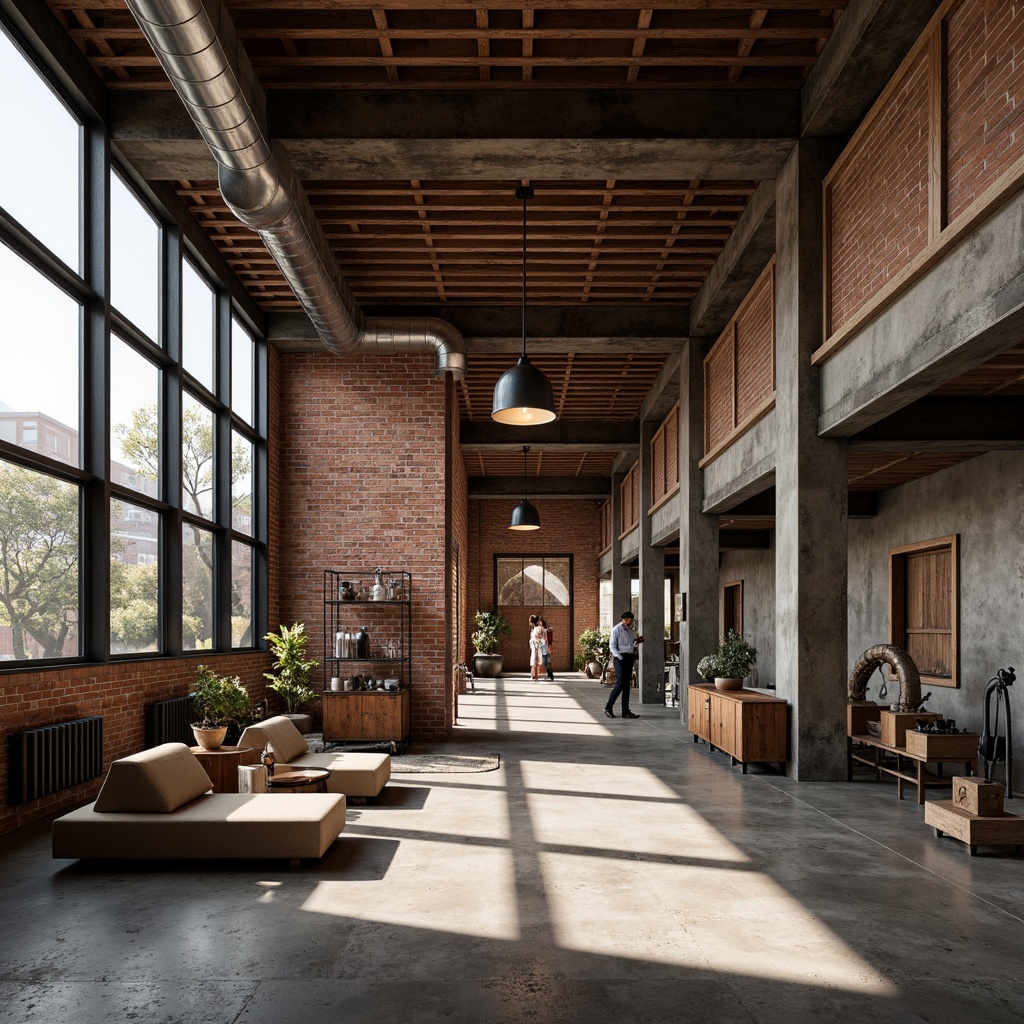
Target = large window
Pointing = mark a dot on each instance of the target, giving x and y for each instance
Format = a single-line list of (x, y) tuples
[(132, 440)]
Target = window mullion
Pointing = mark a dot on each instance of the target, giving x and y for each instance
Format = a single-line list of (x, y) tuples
[(222, 468), (171, 451)]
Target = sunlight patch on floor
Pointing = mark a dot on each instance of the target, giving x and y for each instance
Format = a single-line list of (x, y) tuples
[(474, 894)]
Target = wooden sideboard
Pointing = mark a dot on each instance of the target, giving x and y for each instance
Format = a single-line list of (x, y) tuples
[(367, 716), (748, 725)]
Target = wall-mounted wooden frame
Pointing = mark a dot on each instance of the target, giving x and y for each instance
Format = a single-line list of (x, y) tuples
[(731, 612), (924, 607)]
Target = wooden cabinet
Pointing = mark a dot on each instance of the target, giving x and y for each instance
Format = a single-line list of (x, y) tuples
[(748, 725), (373, 717)]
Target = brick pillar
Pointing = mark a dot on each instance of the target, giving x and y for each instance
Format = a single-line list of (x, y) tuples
[(811, 488)]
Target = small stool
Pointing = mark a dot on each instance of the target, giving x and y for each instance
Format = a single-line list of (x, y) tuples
[(301, 780)]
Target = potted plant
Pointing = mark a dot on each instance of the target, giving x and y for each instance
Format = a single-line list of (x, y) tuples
[(596, 652), (217, 702), (707, 667), (290, 678), (490, 628), (733, 661)]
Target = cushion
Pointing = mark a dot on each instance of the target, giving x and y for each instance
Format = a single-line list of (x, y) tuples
[(281, 733), (157, 781)]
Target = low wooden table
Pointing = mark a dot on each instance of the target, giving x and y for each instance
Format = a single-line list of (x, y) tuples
[(222, 765), (964, 751), (971, 829), (310, 780)]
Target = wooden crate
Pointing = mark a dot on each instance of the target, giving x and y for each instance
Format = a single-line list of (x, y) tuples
[(976, 796), (997, 830), (895, 725), (937, 746), (858, 716)]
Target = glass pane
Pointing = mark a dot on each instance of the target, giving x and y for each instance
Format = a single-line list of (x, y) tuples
[(510, 581), (196, 588), (134, 260), (241, 484), (533, 583), (134, 579), (39, 176), (134, 420), (556, 581), (241, 595), (197, 319), (38, 566), (242, 359), (197, 457), (40, 360)]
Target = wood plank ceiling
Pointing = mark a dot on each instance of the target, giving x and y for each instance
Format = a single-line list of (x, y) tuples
[(458, 242)]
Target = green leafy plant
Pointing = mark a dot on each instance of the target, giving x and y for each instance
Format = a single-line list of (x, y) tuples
[(579, 661), (290, 678), (707, 667), (735, 657), (490, 628), (594, 645), (219, 700)]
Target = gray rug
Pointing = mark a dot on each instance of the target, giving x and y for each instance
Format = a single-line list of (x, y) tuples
[(411, 764)]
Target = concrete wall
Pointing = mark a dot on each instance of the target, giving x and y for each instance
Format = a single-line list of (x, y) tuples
[(757, 570), (983, 501), (665, 522)]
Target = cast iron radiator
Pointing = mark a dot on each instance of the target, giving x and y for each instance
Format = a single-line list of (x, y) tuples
[(55, 757), (169, 721)]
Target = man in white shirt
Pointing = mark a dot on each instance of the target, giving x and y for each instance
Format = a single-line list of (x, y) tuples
[(623, 648)]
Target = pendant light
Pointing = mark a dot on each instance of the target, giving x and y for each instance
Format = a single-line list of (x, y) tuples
[(523, 395), (524, 515)]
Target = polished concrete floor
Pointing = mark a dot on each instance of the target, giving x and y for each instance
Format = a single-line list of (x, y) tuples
[(609, 871)]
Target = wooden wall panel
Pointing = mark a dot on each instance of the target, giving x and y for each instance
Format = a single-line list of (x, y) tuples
[(719, 383)]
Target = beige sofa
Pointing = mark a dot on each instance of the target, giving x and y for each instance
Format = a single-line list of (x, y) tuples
[(354, 774), (156, 805)]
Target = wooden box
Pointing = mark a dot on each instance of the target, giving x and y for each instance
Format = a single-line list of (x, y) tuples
[(937, 746), (858, 716), (977, 796), (999, 830), (895, 725)]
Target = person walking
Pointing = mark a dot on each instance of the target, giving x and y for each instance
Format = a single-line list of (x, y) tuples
[(537, 647), (549, 637), (623, 647)]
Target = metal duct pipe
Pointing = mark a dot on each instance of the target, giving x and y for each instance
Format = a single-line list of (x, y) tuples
[(198, 46)]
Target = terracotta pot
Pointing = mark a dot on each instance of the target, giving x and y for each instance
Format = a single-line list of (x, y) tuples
[(210, 739), (728, 684)]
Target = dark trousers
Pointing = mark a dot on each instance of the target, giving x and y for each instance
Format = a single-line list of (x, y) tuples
[(623, 679)]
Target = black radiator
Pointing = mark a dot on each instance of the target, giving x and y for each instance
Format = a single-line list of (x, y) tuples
[(169, 721), (55, 757)]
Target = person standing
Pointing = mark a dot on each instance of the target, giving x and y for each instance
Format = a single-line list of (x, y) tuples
[(623, 647), (537, 647), (548, 641)]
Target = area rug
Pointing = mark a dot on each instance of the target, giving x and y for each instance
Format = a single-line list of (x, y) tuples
[(411, 764)]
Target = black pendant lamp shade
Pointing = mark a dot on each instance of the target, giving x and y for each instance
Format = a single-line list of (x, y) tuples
[(523, 395), (524, 515)]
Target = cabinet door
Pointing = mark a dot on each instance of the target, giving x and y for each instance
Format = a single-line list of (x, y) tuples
[(723, 724), (343, 718), (763, 732), (698, 704)]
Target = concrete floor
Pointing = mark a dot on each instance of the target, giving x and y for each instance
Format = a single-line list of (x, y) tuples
[(608, 871)]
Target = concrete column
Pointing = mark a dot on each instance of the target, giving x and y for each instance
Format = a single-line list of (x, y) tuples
[(698, 532), (620, 572), (652, 586), (811, 488)]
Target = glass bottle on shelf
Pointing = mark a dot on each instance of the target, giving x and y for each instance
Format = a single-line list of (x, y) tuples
[(378, 592), (362, 639)]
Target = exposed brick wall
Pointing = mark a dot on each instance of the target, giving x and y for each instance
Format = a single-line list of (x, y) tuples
[(878, 199), (567, 528), (118, 692), (363, 483), (985, 96)]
